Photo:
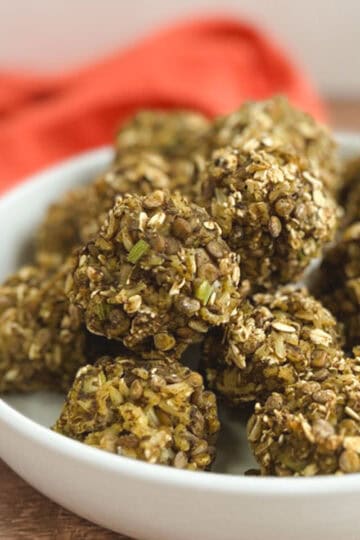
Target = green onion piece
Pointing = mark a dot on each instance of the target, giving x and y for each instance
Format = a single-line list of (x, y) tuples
[(102, 378), (102, 311), (137, 251), (203, 292), (220, 196)]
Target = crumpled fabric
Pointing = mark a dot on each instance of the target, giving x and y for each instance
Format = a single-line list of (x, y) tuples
[(209, 64)]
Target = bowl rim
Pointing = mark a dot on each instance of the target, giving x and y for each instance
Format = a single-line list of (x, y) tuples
[(152, 473), (163, 475)]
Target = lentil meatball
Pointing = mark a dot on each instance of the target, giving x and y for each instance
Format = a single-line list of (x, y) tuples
[(42, 337), (338, 283), (77, 217), (276, 118), (313, 427), (157, 276), (153, 411), (272, 210), (351, 192), (181, 137), (271, 342)]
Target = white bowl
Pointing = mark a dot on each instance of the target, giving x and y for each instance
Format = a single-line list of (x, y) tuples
[(145, 501)]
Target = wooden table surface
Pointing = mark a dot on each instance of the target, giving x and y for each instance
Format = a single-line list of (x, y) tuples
[(25, 514)]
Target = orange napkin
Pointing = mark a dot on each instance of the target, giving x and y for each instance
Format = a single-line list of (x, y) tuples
[(211, 64)]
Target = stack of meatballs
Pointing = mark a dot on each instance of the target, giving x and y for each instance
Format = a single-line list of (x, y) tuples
[(200, 232)]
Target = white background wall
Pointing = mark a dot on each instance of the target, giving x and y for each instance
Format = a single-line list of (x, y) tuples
[(55, 34)]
